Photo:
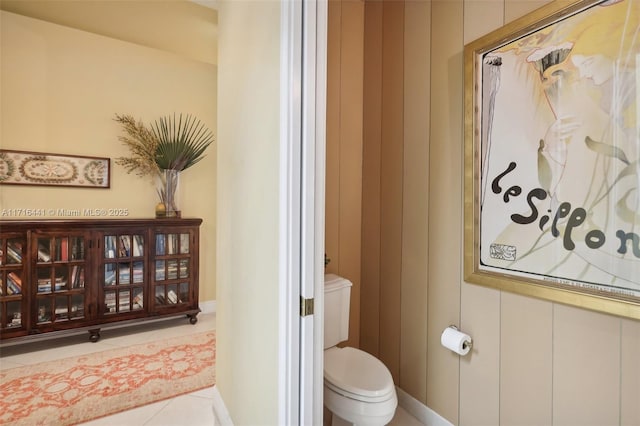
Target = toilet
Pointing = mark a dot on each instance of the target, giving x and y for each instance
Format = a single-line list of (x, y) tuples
[(358, 387)]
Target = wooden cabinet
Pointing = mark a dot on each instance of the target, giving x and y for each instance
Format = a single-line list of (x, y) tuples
[(59, 277)]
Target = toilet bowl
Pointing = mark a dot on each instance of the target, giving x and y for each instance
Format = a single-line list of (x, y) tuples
[(358, 387)]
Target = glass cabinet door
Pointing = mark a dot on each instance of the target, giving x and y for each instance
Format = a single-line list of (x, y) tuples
[(122, 273), (12, 279), (59, 278), (172, 274)]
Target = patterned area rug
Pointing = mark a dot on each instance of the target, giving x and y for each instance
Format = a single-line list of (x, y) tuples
[(79, 389)]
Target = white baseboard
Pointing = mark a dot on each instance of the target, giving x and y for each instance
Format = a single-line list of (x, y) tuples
[(220, 411), (420, 411), (208, 307)]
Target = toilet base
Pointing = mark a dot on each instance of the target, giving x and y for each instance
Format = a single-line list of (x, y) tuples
[(359, 413)]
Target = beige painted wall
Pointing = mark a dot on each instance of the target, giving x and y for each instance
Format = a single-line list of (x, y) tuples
[(534, 362), (248, 196), (60, 88), (144, 22)]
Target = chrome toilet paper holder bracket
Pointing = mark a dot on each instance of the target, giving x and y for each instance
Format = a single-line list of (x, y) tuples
[(465, 344)]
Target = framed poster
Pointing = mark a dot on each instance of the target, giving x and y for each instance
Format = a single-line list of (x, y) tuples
[(552, 156), (38, 168)]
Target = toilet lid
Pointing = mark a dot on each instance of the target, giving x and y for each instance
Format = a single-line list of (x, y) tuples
[(357, 372)]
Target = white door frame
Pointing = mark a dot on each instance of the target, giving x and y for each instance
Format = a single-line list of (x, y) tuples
[(302, 175), (313, 206)]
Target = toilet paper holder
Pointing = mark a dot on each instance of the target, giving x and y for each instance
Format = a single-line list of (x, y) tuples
[(465, 344)]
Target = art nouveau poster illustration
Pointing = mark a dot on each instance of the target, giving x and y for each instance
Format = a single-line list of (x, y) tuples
[(557, 140)]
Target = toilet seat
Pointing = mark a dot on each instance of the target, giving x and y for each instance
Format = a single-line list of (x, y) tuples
[(357, 375)]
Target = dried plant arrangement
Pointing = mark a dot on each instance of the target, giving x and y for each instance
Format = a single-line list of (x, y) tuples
[(169, 146), (172, 143)]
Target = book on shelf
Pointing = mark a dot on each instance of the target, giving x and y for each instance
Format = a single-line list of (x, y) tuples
[(124, 275), (172, 296), (123, 300), (109, 277), (14, 283), (16, 320), (110, 301), (173, 243), (15, 278), (138, 245), (77, 276), (138, 272), (125, 246), (77, 248), (160, 248), (61, 249), (138, 301), (110, 246), (160, 271), (184, 268), (44, 284), (61, 311), (60, 283), (14, 254), (43, 253), (172, 269), (184, 243), (74, 276), (64, 249), (12, 288)]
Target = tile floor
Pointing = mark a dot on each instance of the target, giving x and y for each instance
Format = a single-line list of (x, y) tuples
[(195, 409), (402, 418)]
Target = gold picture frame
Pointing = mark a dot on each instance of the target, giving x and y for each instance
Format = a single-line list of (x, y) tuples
[(552, 156), (39, 168)]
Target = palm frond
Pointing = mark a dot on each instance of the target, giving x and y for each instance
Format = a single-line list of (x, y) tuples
[(181, 141)]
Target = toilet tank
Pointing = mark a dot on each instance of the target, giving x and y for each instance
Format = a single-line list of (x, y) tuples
[(337, 295)]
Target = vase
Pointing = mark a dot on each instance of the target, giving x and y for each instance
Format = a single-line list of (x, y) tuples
[(169, 179)]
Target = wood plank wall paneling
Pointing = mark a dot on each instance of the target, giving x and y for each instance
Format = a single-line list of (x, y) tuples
[(344, 149), (533, 362), (586, 367), (332, 179), (479, 307), (413, 315), (630, 380), (526, 349), (383, 170), (351, 154), (480, 370), (391, 170), (445, 204), (371, 202)]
